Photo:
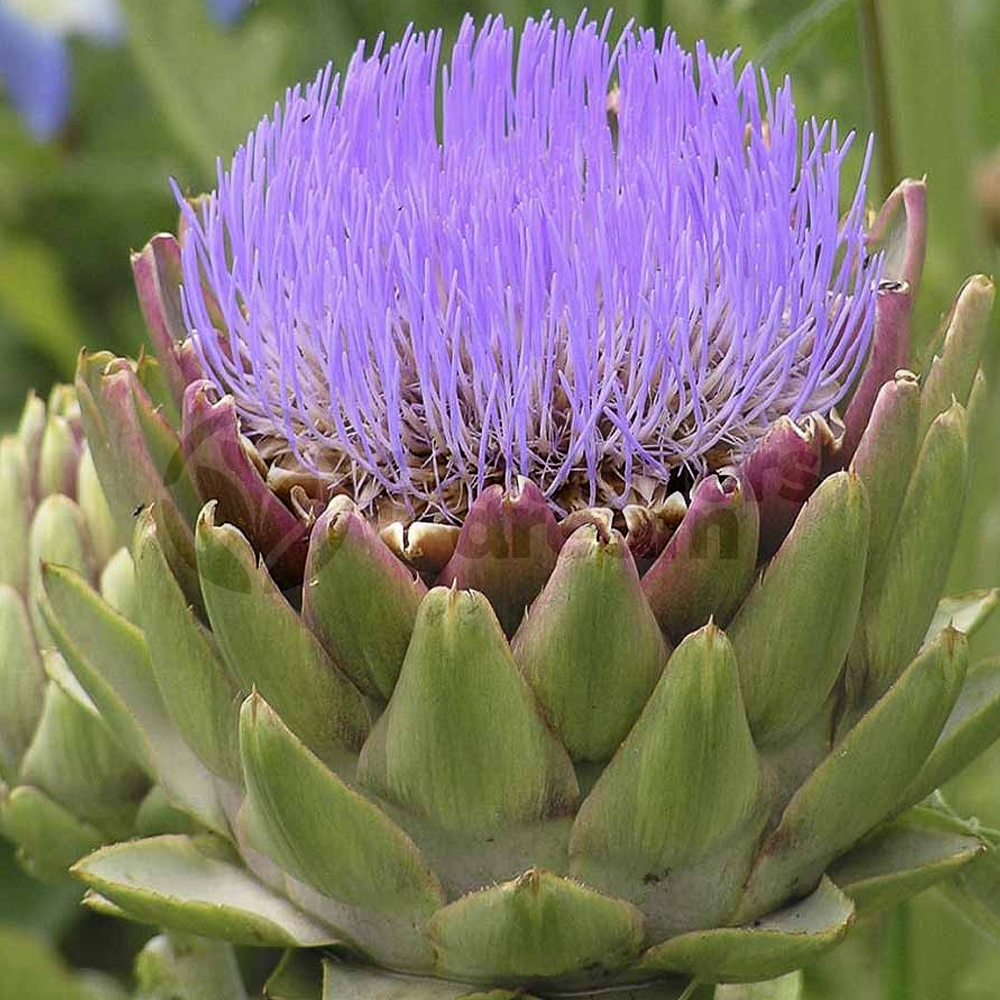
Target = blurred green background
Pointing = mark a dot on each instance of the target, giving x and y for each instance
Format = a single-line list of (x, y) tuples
[(180, 90)]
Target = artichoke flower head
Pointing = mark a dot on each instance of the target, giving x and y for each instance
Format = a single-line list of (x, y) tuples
[(532, 541), (595, 297)]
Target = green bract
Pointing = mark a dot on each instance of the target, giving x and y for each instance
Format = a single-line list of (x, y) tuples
[(515, 756), (74, 770)]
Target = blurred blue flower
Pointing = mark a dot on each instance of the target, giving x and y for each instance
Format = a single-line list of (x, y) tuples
[(227, 11), (35, 70)]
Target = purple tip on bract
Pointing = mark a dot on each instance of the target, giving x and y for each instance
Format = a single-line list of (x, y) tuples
[(596, 263)]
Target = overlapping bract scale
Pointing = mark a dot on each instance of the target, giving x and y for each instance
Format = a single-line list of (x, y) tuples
[(531, 756)]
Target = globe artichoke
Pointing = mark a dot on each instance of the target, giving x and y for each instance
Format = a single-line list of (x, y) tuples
[(537, 541)]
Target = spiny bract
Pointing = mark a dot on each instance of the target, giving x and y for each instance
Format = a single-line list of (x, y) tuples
[(483, 590)]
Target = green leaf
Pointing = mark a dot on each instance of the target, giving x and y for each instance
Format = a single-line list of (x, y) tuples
[(179, 967), (103, 907), (183, 884), (15, 514), (303, 817), (966, 613), (590, 646), (79, 763), (537, 926), (858, 784), (902, 595), (30, 428), (154, 380), (904, 858), (686, 782), (197, 690), (975, 891), (982, 409), (461, 742), (359, 599), (117, 585), (972, 728), (58, 673), (772, 946), (50, 838), (309, 821), (106, 654), (163, 447), (110, 659), (267, 645), (104, 534), (689, 762), (156, 815), (136, 453), (952, 373), (58, 536), (21, 680), (885, 459), (795, 628), (58, 457), (466, 860)]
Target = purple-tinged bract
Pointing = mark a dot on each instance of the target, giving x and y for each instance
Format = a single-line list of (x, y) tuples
[(593, 263)]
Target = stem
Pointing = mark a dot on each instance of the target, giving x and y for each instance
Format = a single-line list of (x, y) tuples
[(878, 93), (898, 978)]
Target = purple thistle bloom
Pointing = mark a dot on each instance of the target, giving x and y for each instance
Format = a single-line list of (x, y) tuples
[(596, 264)]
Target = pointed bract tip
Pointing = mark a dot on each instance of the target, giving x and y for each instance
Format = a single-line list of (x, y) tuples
[(206, 519)]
